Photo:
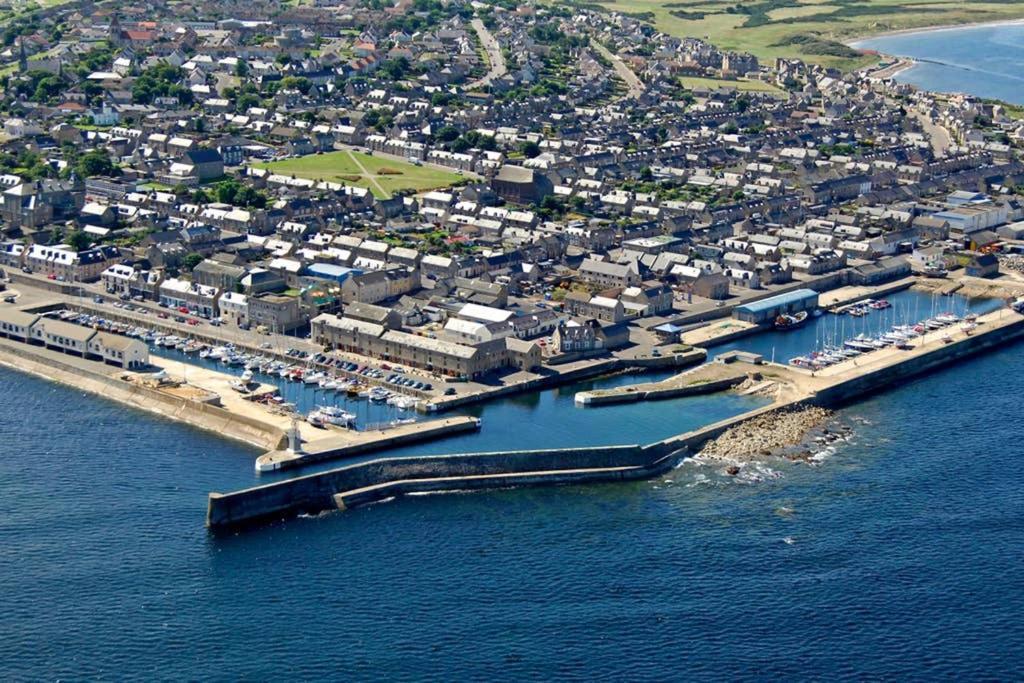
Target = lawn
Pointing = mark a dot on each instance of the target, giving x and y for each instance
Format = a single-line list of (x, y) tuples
[(813, 30), (382, 176), (742, 85)]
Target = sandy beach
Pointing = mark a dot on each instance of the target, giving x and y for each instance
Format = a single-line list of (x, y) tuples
[(857, 43)]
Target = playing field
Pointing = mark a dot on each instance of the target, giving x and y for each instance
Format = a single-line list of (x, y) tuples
[(814, 30), (741, 85), (382, 176)]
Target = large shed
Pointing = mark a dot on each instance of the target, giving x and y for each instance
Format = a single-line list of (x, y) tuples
[(767, 310)]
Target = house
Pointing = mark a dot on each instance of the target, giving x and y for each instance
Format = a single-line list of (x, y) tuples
[(190, 296), (606, 274), (883, 270), (379, 285), (64, 263), (203, 164), (234, 309), (649, 298), (601, 308), (701, 282), (276, 312), (15, 324), (983, 265), (521, 185), (118, 350)]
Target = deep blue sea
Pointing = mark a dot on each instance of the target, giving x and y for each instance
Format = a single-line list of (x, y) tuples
[(899, 556), (987, 61)]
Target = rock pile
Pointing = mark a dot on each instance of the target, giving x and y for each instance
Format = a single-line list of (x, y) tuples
[(1012, 262), (765, 435)]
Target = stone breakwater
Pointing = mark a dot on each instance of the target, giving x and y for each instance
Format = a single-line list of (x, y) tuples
[(765, 434)]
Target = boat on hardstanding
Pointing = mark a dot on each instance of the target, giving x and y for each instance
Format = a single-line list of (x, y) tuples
[(244, 384), (331, 415)]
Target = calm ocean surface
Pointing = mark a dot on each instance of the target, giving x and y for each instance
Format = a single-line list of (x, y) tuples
[(899, 556), (987, 61)]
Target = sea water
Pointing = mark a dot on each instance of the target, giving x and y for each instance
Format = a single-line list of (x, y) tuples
[(898, 556), (986, 61)]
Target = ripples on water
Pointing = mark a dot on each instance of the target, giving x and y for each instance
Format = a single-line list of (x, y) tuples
[(981, 60), (899, 557)]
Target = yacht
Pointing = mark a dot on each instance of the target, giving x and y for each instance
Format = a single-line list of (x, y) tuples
[(335, 416)]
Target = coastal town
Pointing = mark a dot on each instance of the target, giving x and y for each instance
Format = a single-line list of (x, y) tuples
[(427, 205)]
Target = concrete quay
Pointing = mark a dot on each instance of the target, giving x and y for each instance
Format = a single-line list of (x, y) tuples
[(382, 479), (705, 379), (851, 294), (347, 443), (562, 375)]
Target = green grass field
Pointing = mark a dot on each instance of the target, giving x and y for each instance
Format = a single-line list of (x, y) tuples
[(813, 30), (691, 82), (382, 176)]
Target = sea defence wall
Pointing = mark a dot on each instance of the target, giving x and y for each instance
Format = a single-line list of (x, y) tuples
[(384, 478), (196, 413), (368, 482)]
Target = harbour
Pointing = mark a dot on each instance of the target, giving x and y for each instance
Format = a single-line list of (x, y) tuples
[(835, 385)]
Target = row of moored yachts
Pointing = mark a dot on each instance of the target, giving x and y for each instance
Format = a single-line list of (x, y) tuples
[(900, 336)]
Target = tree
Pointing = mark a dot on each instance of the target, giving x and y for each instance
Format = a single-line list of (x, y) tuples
[(192, 260), (447, 133), (95, 163), (78, 240), (530, 149), (47, 88)]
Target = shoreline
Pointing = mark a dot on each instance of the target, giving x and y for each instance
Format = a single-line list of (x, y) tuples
[(856, 42), (112, 389)]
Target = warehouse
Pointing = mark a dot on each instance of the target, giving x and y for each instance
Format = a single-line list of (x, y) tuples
[(767, 310)]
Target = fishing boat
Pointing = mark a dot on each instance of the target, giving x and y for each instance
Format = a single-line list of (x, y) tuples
[(880, 304), (791, 322)]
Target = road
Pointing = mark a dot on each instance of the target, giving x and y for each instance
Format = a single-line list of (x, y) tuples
[(369, 176), (938, 135), (495, 59), (633, 83)]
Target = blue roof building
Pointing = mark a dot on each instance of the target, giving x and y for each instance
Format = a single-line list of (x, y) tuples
[(767, 310), (329, 271)]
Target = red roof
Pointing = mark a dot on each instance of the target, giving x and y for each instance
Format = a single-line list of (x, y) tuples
[(141, 36)]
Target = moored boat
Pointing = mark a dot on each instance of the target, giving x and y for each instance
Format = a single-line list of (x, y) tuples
[(790, 322)]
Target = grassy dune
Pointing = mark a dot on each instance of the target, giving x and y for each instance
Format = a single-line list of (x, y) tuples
[(814, 30)]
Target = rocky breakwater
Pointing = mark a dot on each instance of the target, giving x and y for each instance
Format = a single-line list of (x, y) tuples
[(788, 432)]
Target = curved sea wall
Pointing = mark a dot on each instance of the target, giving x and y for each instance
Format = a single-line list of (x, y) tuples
[(369, 482)]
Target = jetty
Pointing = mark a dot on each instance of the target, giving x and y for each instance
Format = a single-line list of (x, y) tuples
[(381, 479), (705, 379)]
